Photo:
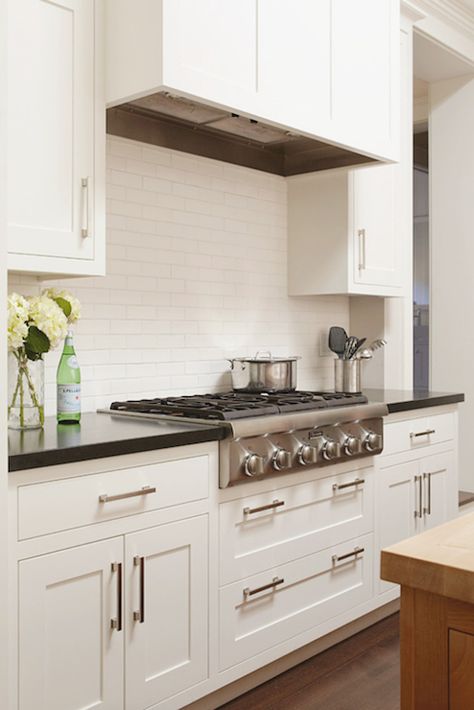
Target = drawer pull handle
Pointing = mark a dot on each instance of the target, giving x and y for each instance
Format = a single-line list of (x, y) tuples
[(140, 614), (269, 506), (426, 432), (341, 486), (116, 623), (146, 490), (271, 585), (339, 558)]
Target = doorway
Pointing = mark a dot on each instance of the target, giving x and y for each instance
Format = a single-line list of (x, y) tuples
[(421, 261)]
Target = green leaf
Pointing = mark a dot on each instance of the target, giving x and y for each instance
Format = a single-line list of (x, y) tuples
[(36, 343), (64, 305)]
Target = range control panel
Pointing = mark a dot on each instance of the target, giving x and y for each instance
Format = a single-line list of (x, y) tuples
[(284, 452)]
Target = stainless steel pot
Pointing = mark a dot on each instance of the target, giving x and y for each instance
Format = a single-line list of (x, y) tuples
[(264, 373)]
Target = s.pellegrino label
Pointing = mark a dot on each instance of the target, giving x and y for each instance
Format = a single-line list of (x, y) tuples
[(68, 381)]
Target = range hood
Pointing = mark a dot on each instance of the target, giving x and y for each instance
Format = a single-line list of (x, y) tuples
[(176, 122)]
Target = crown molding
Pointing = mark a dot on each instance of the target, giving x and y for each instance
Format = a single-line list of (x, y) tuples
[(452, 12)]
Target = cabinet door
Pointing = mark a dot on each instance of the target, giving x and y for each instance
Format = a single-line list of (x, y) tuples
[(440, 489), (70, 658), (209, 50), (167, 637), (50, 107), (397, 502), (365, 46), (294, 87), (376, 208)]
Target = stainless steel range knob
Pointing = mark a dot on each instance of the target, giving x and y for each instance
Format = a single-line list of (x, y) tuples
[(281, 459), (372, 441), (307, 455), (254, 465), (331, 450), (352, 445)]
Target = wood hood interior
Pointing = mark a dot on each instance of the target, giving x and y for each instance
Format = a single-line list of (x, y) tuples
[(181, 124)]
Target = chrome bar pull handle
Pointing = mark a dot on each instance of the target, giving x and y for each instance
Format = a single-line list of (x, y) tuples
[(116, 622), (362, 236), (140, 614), (270, 506), (419, 508), (426, 432), (341, 486), (339, 558), (146, 490), (427, 508), (85, 208), (247, 592)]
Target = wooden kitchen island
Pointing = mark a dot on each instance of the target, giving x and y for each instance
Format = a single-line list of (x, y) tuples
[(436, 572)]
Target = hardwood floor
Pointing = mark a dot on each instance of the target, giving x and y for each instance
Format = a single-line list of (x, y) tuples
[(361, 673)]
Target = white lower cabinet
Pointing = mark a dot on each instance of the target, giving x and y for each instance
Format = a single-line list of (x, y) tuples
[(269, 608), (417, 480), (109, 579), (132, 608), (268, 529), (166, 618), (69, 656)]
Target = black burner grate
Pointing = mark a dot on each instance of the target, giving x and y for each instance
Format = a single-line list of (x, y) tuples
[(239, 405)]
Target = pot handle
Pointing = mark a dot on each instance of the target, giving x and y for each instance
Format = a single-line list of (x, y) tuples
[(231, 362), (263, 353)]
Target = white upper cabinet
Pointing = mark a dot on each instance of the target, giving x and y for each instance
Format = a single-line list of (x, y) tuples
[(56, 137), (294, 80), (304, 65), (376, 228), (365, 53), (343, 233), (209, 49), (349, 230)]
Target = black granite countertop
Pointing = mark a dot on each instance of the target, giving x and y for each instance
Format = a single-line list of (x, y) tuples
[(406, 400), (101, 435)]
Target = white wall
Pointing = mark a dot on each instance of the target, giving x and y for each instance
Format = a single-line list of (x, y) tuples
[(196, 273), (452, 251)]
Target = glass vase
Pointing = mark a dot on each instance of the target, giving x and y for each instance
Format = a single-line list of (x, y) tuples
[(25, 392)]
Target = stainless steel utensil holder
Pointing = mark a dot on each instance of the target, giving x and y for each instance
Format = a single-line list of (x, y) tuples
[(347, 375)]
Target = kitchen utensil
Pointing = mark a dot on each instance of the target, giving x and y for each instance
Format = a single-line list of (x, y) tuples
[(350, 347), (364, 354), (347, 375), (337, 340), (264, 373), (377, 344), (360, 343)]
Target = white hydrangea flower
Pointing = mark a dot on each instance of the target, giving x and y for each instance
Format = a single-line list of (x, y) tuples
[(48, 317), (18, 314), (67, 296)]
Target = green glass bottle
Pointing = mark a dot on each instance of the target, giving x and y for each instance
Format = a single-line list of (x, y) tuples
[(68, 379)]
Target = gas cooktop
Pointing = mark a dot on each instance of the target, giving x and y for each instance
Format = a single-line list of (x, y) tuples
[(228, 406)]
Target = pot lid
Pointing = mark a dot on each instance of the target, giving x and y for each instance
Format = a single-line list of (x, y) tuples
[(266, 357)]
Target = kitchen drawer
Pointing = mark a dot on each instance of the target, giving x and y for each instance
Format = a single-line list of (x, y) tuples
[(401, 436), (306, 518), (53, 506), (314, 589)]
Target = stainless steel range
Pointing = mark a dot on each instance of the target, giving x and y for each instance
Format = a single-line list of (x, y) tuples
[(273, 433)]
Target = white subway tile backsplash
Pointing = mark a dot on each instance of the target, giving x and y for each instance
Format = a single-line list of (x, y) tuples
[(196, 264)]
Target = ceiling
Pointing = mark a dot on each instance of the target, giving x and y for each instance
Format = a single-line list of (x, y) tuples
[(433, 62)]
